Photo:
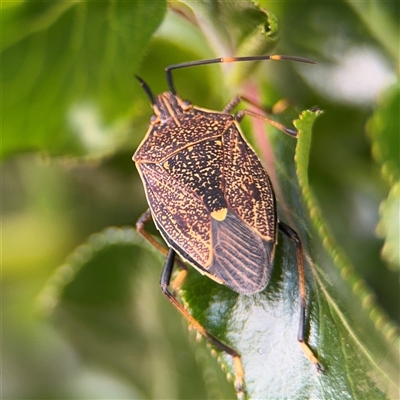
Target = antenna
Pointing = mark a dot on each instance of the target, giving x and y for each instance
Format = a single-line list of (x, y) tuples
[(170, 68)]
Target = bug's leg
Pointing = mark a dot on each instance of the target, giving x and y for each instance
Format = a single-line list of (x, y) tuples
[(239, 116), (164, 283), (140, 227), (291, 234), (234, 102), (289, 131), (279, 107)]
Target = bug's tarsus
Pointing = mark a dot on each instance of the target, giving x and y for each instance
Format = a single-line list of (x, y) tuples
[(164, 284), (292, 234), (291, 132)]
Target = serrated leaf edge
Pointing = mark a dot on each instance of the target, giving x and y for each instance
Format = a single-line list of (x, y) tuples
[(381, 321)]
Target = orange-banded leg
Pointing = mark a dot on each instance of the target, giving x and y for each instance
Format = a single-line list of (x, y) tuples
[(164, 283), (140, 227), (291, 234)]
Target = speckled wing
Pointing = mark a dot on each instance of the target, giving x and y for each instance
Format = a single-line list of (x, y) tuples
[(161, 141), (248, 190), (179, 214)]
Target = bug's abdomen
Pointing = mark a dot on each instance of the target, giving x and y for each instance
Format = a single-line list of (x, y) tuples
[(199, 168)]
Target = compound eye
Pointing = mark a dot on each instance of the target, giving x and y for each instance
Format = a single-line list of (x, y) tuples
[(186, 105), (153, 119)]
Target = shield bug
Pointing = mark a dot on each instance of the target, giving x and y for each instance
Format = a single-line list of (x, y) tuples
[(211, 199)]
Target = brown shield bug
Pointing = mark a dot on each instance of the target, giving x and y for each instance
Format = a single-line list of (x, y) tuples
[(211, 199)]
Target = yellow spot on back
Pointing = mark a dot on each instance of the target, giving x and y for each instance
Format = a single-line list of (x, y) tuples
[(166, 165), (219, 215)]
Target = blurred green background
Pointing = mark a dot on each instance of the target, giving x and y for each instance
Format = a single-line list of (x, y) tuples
[(73, 115)]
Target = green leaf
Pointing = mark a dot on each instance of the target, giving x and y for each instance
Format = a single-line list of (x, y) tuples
[(242, 28), (383, 129), (388, 227), (351, 336), (67, 73)]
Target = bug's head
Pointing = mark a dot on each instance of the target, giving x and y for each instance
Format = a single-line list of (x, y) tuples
[(165, 105)]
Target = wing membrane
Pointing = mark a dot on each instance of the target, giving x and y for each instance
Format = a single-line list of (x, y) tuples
[(241, 258)]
